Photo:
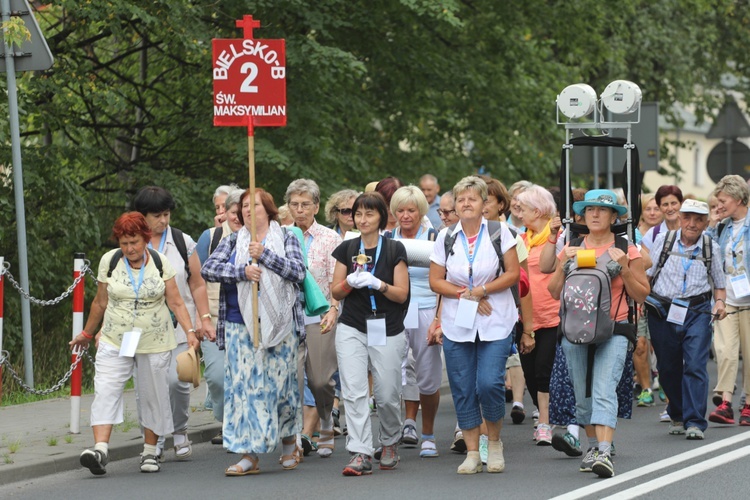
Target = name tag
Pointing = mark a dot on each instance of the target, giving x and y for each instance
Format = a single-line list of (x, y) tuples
[(376, 330), (740, 285), (411, 320), (130, 342), (466, 312), (677, 312)]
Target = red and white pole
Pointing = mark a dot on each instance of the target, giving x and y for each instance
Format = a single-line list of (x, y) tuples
[(75, 377), (2, 284)]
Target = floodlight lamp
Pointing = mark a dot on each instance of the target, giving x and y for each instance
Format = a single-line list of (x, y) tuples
[(576, 101), (622, 97)]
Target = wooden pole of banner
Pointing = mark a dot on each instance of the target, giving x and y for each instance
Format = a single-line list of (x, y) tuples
[(253, 229)]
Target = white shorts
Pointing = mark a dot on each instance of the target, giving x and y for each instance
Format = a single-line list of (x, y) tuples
[(152, 383)]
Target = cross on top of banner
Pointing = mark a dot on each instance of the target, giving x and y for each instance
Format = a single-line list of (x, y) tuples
[(247, 24)]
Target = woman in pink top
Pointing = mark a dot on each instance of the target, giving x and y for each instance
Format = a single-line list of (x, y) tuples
[(537, 207)]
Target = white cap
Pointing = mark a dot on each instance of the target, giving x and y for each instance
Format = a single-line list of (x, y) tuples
[(695, 206)]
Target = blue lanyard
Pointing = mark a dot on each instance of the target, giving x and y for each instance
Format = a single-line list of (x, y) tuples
[(372, 269), (163, 241), (398, 236), (735, 244), (308, 243), (686, 263), (136, 286), (471, 257)]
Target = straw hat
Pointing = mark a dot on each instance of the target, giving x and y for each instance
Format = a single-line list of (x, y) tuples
[(188, 367)]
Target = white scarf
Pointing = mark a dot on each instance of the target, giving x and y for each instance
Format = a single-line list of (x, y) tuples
[(277, 295)]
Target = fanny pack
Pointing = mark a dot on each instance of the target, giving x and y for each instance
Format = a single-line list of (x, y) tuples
[(657, 305)]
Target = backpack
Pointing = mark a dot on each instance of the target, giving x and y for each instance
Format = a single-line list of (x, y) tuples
[(431, 234), (218, 232), (495, 230), (118, 255), (179, 242), (586, 300)]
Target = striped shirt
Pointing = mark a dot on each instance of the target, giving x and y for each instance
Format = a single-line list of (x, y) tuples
[(683, 277)]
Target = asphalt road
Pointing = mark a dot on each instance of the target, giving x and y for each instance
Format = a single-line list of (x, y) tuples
[(649, 464)]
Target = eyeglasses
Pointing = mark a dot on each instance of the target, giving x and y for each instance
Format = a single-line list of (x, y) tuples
[(344, 211), (306, 205), (445, 213)]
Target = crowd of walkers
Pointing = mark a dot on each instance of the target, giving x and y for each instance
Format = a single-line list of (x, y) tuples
[(295, 319)]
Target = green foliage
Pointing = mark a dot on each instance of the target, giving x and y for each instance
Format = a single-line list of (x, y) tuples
[(386, 87), (15, 31)]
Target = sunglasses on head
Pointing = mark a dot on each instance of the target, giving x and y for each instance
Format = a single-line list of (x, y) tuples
[(344, 211)]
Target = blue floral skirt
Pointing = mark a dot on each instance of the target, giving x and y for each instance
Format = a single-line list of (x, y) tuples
[(261, 393), (562, 400)]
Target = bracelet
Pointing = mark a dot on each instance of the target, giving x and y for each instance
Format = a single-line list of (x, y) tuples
[(438, 326), (86, 335), (385, 287), (192, 330), (345, 286), (720, 300), (437, 318), (206, 316), (335, 306), (484, 289), (550, 240)]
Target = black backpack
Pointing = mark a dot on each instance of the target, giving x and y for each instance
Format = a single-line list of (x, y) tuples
[(118, 255), (495, 230), (215, 240)]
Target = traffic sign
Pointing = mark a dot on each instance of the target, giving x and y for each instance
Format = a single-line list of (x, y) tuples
[(249, 80), (34, 54)]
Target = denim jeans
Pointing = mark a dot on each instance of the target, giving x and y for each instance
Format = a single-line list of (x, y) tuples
[(476, 372), (681, 357), (609, 360)]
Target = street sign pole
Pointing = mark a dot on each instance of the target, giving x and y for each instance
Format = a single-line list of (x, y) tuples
[(23, 261), (253, 228)]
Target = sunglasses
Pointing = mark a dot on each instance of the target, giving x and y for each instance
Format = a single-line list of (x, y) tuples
[(344, 211)]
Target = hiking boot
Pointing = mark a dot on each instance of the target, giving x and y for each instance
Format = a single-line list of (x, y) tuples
[(458, 445), (149, 463), (409, 436), (389, 457), (676, 428), (568, 444), (745, 415), (694, 434), (95, 461), (723, 414), (588, 461), (646, 398), (517, 414), (483, 448), (543, 435), (359, 465), (603, 466)]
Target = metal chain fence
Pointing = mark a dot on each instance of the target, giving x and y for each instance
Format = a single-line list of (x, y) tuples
[(40, 302), (43, 392), (4, 360)]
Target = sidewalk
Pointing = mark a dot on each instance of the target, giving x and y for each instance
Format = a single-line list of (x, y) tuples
[(35, 439)]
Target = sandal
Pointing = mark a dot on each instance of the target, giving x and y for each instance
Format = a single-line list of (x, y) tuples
[(325, 444), (289, 462), (308, 446), (186, 445), (429, 450), (238, 470)]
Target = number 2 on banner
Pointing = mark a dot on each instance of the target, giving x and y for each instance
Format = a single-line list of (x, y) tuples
[(247, 86)]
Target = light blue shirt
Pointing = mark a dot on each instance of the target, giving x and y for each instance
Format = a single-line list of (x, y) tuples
[(432, 212), (679, 271)]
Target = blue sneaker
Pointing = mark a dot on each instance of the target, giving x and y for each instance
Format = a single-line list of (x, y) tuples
[(568, 444)]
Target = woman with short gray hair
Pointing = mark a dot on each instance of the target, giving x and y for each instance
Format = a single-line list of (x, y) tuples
[(319, 352), (733, 332)]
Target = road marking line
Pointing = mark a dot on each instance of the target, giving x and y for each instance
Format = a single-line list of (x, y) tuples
[(663, 481), (648, 469)]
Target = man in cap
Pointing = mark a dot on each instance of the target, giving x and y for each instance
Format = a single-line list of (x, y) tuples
[(683, 288)]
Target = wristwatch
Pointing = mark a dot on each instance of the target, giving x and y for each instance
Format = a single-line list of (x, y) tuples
[(530, 334)]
